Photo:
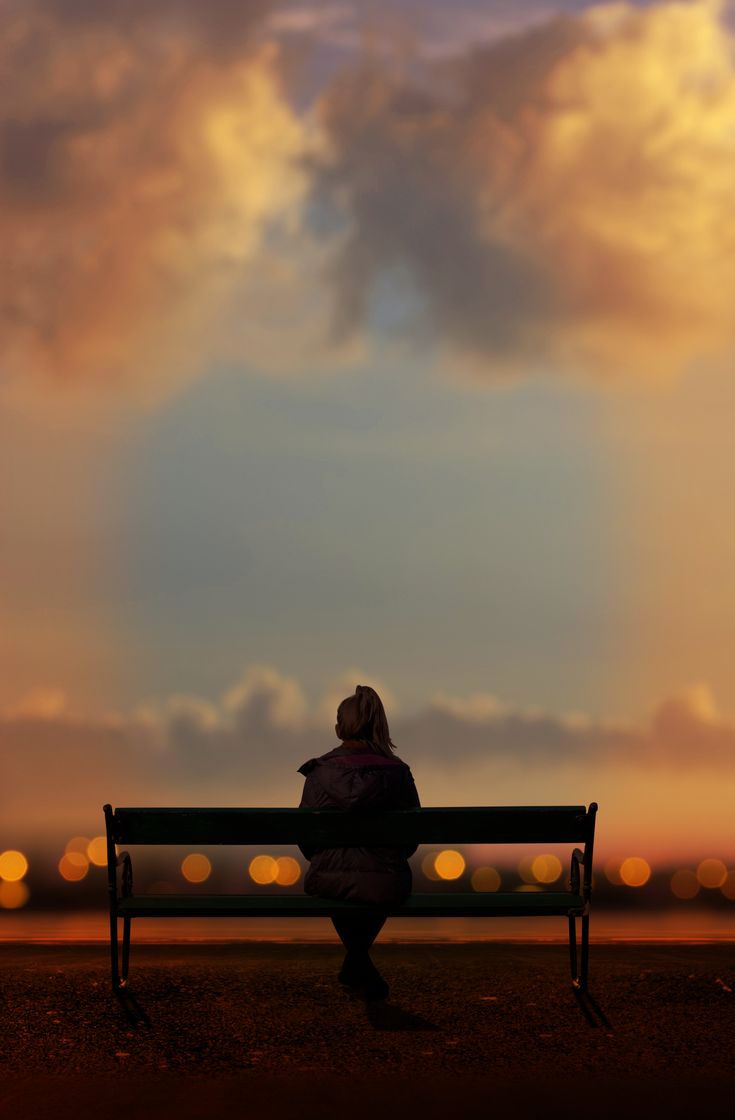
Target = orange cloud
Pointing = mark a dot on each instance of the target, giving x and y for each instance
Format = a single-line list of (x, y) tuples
[(565, 205), (59, 768), (145, 148)]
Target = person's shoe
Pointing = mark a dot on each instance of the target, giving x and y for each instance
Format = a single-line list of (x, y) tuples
[(352, 972), (374, 987)]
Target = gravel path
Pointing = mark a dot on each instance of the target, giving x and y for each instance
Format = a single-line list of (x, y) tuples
[(263, 1029)]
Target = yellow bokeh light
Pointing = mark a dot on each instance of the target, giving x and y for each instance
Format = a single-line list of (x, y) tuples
[(97, 851), (73, 866), (13, 866), (684, 883), (263, 869), (449, 864), (525, 869), (712, 873), (13, 894), (78, 844), (427, 866), (485, 879), (728, 887), (288, 871), (196, 868), (634, 871), (546, 868)]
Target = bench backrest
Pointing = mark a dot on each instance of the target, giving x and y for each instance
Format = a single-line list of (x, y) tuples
[(332, 828)]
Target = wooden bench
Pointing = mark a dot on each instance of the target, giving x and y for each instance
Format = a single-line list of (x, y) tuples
[(331, 828)]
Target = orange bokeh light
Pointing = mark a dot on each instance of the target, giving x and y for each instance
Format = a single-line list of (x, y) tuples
[(712, 873), (13, 866), (263, 869), (13, 894), (427, 866), (728, 887), (634, 871), (612, 872), (485, 879), (684, 883), (288, 871), (546, 868), (77, 844), (525, 869), (449, 864), (73, 866), (97, 851), (196, 868)]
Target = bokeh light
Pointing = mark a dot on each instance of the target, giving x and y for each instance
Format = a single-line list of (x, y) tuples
[(97, 851), (288, 871), (13, 866), (634, 871), (612, 872), (196, 868), (728, 887), (13, 894), (427, 867), (525, 869), (485, 879), (546, 868), (712, 873), (449, 864), (73, 866), (684, 883), (77, 844), (263, 869)]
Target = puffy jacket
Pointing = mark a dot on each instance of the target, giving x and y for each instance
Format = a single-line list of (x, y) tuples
[(354, 777)]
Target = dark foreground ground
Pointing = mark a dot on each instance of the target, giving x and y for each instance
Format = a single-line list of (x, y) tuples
[(264, 1030)]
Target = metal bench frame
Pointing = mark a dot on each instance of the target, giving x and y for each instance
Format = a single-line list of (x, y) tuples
[(331, 828)]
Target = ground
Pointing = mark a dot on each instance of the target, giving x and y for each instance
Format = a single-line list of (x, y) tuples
[(256, 1029)]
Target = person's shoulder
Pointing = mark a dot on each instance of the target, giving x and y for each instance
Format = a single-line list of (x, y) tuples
[(312, 763)]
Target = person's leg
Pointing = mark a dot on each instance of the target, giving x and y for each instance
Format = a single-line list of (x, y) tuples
[(357, 933)]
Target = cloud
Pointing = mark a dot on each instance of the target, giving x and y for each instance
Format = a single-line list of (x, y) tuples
[(561, 197), (147, 151), (58, 768)]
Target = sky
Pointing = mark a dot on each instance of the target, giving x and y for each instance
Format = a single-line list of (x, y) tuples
[(368, 343)]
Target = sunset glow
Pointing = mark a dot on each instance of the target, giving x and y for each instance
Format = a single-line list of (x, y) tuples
[(369, 342)]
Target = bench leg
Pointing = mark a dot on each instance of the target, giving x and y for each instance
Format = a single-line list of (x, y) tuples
[(113, 952), (579, 975), (125, 952), (119, 974)]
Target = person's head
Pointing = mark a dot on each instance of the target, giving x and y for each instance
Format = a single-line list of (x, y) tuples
[(362, 716)]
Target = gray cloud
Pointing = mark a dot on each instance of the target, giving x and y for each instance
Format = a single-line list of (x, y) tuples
[(59, 769), (557, 206)]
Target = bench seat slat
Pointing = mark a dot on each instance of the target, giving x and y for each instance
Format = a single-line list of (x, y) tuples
[(333, 828), (500, 904)]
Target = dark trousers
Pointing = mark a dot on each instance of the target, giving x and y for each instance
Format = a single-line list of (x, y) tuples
[(358, 931)]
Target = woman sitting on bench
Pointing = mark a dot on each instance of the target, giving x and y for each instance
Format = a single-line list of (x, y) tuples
[(362, 773)]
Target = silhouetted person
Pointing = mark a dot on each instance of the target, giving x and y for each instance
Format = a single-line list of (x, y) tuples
[(362, 773)]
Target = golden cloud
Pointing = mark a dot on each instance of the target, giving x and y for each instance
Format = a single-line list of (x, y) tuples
[(566, 206), (144, 150)]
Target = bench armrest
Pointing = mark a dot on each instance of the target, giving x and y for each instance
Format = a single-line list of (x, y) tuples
[(574, 875), (126, 879)]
